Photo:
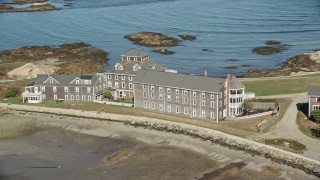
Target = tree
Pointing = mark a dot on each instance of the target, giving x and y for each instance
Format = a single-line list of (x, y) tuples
[(315, 115), (247, 106), (107, 94)]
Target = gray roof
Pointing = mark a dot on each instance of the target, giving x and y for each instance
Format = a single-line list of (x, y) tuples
[(64, 80), (146, 65), (235, 83), (135, 52), (314, 91), (199, 83)]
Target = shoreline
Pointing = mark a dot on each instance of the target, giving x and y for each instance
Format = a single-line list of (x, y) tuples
[(308, 165)]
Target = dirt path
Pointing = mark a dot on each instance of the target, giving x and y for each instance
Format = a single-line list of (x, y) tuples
[(288, 128)]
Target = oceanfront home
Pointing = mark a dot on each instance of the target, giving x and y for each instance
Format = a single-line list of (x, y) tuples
[(194, 96), (64, 88), (120, 79), (314, 99)]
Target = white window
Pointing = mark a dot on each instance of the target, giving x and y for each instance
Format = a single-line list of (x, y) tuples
[(87, 82), (77, 97), (123, 77), (116, 77), (194, 112), (83, 97), (169, 97), (168, 90), (109, 84), (72, 97), (203, 95), (66, 89), (130, 78), (123, 85), (77, 81), (212, 96), (152, 95), (109, 76), (54, 89), (220, 114), (316, 107), (51, 81), (177, 91), (153, 105), (145, 104), (161, 107), (88, 89), (194, 102), (194, 94), (160, 96), (212, 104), (177, 109), (185, 92), (43, 88), (55, 97), (77, 89), (185, 110), (169, 108), (212, 115), (116, 84), (144, 87), (44, 96), (130, 85), (152, 88), (144, 94), (186, 100), (203, 103), (65, 97), (203, 113), (160, 89), (177, 98)]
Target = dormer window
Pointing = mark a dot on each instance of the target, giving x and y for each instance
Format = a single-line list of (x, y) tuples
[(118, 66), (136, 67), (77, 81)]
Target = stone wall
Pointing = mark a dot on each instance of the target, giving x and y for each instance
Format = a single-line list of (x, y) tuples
[(233, 142)]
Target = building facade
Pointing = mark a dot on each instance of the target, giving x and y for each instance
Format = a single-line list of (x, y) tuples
[(193, 96), (120, 79), (313, 98), (64, 88)]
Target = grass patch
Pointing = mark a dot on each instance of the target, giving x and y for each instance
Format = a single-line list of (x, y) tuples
[(287, 144), (275, 86)]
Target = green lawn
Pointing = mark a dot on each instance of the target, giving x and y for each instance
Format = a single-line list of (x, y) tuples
[(281, 86)]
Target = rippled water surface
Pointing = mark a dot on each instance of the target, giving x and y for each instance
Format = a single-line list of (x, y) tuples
[(227, 29)]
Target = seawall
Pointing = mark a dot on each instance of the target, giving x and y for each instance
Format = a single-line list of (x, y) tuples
[(308, 165)]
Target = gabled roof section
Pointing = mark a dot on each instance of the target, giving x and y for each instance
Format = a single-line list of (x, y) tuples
[(118, 66), (135, 53), (51, 80), (166, 79), (64, 80), (73, 81), (314, 91), (236, 84)]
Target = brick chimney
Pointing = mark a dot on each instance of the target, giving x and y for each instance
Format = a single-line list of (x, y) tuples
[(126, 67)]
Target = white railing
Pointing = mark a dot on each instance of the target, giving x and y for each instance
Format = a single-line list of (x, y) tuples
[(114, 103)]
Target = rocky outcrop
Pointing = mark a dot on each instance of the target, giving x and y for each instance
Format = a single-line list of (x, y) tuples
[(273, 47), (71, 58), (188, 37), (280, 156), (34, 7), (152, 39), (25, 1), (163, 51), (30, 70), (309, 62)]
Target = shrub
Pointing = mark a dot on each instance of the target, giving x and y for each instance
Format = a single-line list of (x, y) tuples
[(107, 94), (315, 116), (11, 93)]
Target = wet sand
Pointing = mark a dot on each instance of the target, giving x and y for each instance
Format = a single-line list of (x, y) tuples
[(74, 148)]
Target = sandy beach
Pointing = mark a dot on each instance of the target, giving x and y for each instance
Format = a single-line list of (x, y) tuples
[(38, 146)]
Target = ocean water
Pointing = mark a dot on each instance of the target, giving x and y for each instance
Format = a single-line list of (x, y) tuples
[(228, 29)]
